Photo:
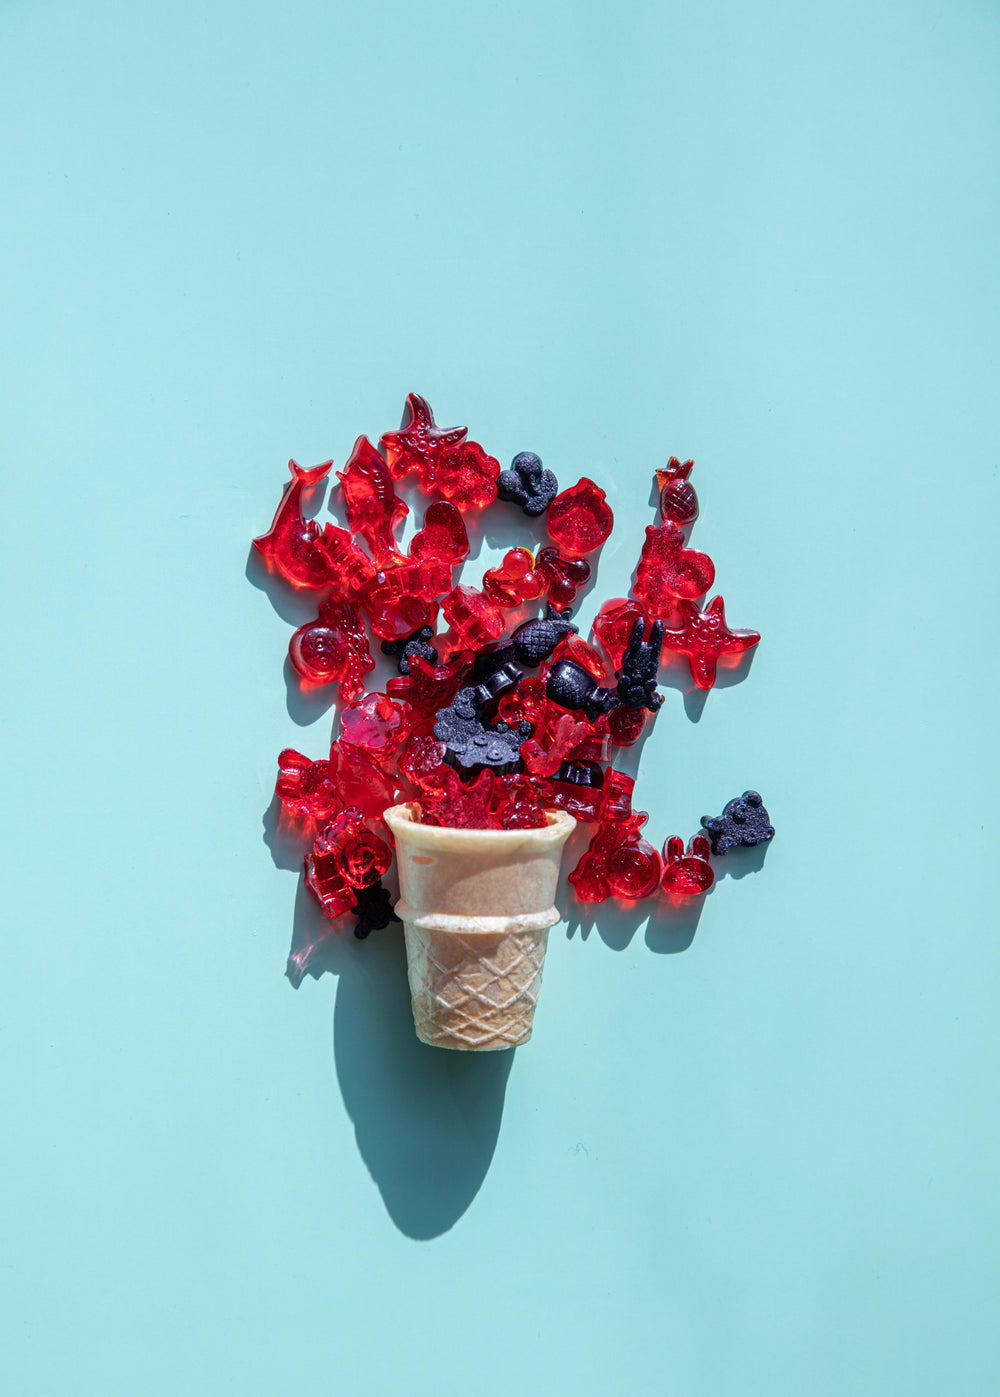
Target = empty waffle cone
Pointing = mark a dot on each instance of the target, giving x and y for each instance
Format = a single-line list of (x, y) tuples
[(476, 907)]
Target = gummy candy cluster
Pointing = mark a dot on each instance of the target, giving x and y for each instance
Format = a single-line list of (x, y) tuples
[(500, 710)]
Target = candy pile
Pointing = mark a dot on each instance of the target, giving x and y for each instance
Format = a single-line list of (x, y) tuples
[(495, 714)]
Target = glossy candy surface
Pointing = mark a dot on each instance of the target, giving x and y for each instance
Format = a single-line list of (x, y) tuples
[(669, 572), (473, 618), (637, 673), (462, 804), (307, 789), (514, 581), (467, 475), (418, 445), (704, 638), (580, 519), (290, 544), (686, 874), (373, 508), (618, 863), (678, 500), (333, 647), (744, 822), (470, 743), (562, 577)]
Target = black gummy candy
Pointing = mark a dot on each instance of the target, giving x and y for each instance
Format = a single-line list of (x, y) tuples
[(528, 484), (534, 641), (372, 909), (744, 822)]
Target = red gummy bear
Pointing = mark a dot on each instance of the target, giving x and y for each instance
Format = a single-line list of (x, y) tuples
[(678, 500), (514, 581), (376, 724), (579, 519), (462, 805), (333, 647), (686, 875), (468, 476), (669, 572), (305, 788), (290, 544), (613, 626), (705, 638), (344, 856), (561, 577), (373, 508), (472, 617), (418, 445)]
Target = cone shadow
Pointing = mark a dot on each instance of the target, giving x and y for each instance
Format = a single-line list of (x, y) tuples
[(426, 1120)]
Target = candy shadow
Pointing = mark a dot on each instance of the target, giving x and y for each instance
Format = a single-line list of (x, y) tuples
[(294, 605), (426, 1120), (675, 673), (740, 863)]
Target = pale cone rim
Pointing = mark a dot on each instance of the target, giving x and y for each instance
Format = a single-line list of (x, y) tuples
[(400, 820)]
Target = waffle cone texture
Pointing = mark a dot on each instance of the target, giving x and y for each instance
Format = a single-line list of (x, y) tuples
[(476, 907)]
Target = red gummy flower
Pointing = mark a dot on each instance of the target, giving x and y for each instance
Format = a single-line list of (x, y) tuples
[(468, 476), (705, 638), (579, 519), (307, 789), (376, 724), (418, 445)]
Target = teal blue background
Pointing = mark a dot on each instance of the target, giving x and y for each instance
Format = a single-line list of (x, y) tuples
[(754, 1153)]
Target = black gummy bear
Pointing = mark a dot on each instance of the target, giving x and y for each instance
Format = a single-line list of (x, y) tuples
[(470, 745), (534, 641), (571, 686), (743, 822), (528, 484), (373, 910), (409, 645), (589, 774), (637, 676)]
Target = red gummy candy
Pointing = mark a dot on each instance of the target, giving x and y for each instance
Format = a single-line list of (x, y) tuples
[(373, 508), (462, 805), (344, 856), (376, 724), (544, 753), (442, 538), (418, 445), (579, 519), (468, 476), (305, 788), (514, 581), (705, 638), (573, 647), (519, 800), (686, 875), (349, 568), (626, 725), (618, 862), (358, 781), (616, 797), (678, 500), (428, 688), (421, 761), (527, 703), (290, 545), (669, 572), (579, 801), (393, 599), (472, 617), (561, 577), (613, 626), (333, 647)]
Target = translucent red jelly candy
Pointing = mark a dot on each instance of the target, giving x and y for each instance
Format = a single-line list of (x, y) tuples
[(467, 476), (462, 804), (306, 788), (625, 726), (544, 753), (421, 761), (333, 647), (678, 500), (349, 567), (376, 724), (373, 508), (579, 519), (561, 577), (669, 572), (442, 537), (704, 638), (514, 581), (687, 874), (359, 781), (418, 445), (394, 602), (344, 856), (473, 618), (428, 688), (518, 801), (613, 626), (618, 863), (290, 544), (571, 647)]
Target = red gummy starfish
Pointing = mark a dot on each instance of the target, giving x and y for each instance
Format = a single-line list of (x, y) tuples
[(418, 445), (704, 637)]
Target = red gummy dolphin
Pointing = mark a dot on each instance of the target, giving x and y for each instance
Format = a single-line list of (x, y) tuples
[(292, 544)]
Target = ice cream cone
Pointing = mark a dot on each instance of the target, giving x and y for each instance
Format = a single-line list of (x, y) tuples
[(476, 907)]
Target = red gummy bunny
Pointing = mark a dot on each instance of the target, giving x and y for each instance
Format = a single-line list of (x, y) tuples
[(687, 874)]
